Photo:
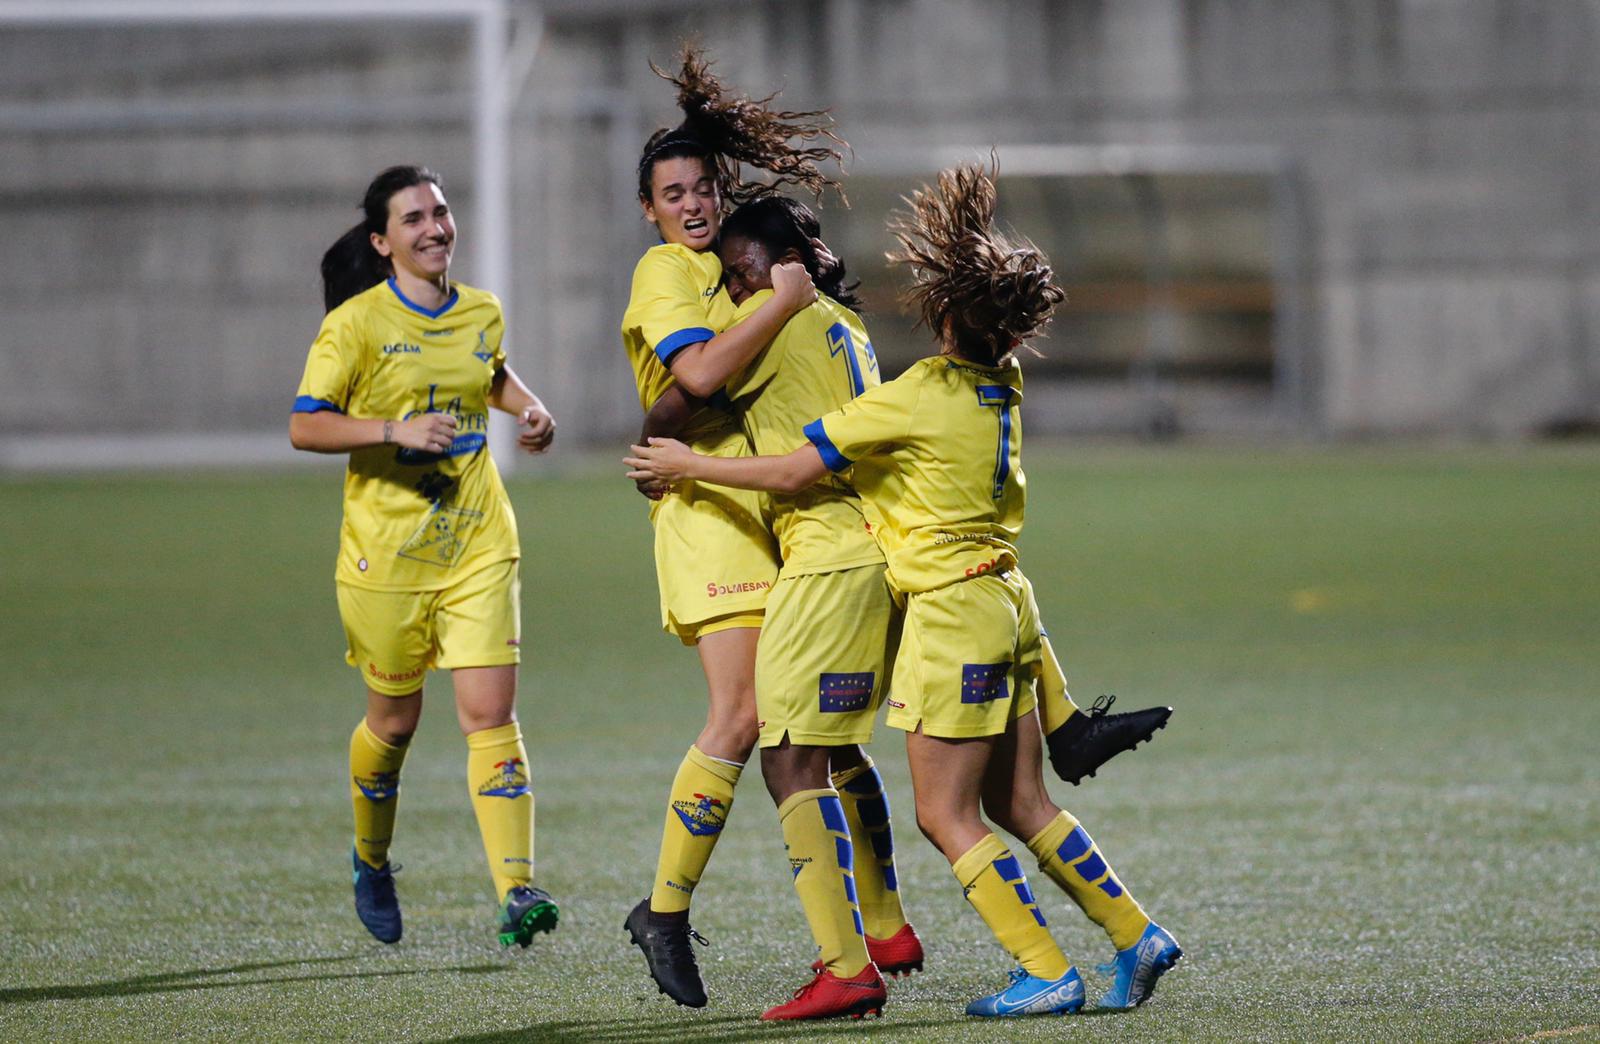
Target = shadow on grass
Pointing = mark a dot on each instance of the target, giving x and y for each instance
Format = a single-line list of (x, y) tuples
[(715, 1030), (185, 980)]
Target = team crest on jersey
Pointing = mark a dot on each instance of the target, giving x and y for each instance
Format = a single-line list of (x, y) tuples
[(442, 536), (379, 787), (703, 816), (509, 780), (483, 353)]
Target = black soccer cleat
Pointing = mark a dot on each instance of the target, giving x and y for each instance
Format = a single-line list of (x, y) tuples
[(667, 953), (376, 903), (1089, 739), (526, 912)]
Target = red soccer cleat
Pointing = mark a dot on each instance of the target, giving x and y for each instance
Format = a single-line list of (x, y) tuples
[(827, 996), (900, 954)]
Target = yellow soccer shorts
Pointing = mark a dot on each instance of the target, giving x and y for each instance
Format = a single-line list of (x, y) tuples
[(396, 637), (968, 657), (716, 559), (820, 666)]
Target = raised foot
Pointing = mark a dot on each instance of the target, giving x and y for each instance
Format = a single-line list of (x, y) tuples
[(527, 912), (1087, 740)]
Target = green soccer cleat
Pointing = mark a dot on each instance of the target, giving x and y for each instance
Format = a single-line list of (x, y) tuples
[(526, 913)]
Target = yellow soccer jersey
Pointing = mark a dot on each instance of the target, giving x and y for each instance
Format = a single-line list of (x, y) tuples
[(677, 300), (937, 456), (819, 361), (415, 521)]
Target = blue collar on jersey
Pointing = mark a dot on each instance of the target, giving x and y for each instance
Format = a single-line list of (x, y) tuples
[(431, 313)]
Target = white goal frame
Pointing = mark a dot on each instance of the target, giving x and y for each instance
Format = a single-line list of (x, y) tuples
[(495, 68)]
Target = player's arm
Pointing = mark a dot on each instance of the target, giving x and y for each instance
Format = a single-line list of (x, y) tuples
[(535, 427), (669, 460), (705, 366), (666, 419), (330, 431)]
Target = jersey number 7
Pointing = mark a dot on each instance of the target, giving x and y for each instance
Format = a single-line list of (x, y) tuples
[(998, 396)]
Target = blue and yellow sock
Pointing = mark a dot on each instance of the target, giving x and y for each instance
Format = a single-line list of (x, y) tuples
[(822, 861), (697, 807), (1068, 856), (497, 780), (374, 792), (866, 811), (997, 888)]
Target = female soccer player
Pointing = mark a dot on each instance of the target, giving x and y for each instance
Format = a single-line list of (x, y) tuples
[(715, 555), (821, 657), (936, 456), (401, 377)]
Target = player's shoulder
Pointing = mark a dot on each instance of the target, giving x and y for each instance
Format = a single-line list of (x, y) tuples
[(470, 297), (355, 311), (674, 260)]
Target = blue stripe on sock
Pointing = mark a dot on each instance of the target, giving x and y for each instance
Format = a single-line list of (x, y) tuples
[(844, 853), (1008, 868), (1074, 846), (850, 889), (890, 882), (1091, 869), (1037, 916), (866, 784), (1110, 887), (860, 930), (882, 844), (874, 810), (832, 815), (1023, 893)]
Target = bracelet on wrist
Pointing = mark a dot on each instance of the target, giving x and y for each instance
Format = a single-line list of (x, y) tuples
[(388, 432)]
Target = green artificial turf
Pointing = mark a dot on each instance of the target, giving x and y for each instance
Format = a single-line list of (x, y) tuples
[(1375, 815)]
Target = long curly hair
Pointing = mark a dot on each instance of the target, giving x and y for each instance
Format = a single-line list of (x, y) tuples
[(731, 130), (981, 292)]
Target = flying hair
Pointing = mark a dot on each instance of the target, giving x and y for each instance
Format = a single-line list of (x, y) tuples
[(732, 130), (982, 292)]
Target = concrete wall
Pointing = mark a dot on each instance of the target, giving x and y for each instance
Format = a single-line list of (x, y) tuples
[(1447, 150)]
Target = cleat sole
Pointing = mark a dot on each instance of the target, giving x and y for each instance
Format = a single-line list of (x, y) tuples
[(540, 918)]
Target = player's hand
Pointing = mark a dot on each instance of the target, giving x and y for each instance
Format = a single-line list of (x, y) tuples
[(428, 432), (792, 286), (535, 429), (664, 460), (826, 261)]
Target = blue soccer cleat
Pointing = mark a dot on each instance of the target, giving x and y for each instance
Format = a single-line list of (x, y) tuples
[(1028, 995), (526, 912), (1139, 966), (376, 903)]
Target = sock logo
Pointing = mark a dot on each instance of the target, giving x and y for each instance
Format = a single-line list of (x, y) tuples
[(797, 865), (380, 786), (703, 816), (509, 780)]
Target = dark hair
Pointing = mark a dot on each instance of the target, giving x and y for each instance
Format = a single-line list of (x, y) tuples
[(726, 131), (982, 293), (351, 265), (781, 224)]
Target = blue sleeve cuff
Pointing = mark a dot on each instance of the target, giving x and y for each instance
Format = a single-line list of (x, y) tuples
[(307, 404), (831, 456), (672, 344)]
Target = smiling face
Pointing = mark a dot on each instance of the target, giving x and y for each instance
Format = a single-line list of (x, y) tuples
[(684, 203), (421, 233)]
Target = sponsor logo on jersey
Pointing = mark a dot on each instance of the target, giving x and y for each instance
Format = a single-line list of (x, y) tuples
[(715, 590), (984, 682), (442, 537), (446, 332), (896, 704), (388, 676), (703, 816), (509, 780), (402, 348), (379, 787), (843, 693)]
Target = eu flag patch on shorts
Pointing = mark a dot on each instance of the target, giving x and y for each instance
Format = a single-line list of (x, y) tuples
[(840, 693), (983, 682)]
